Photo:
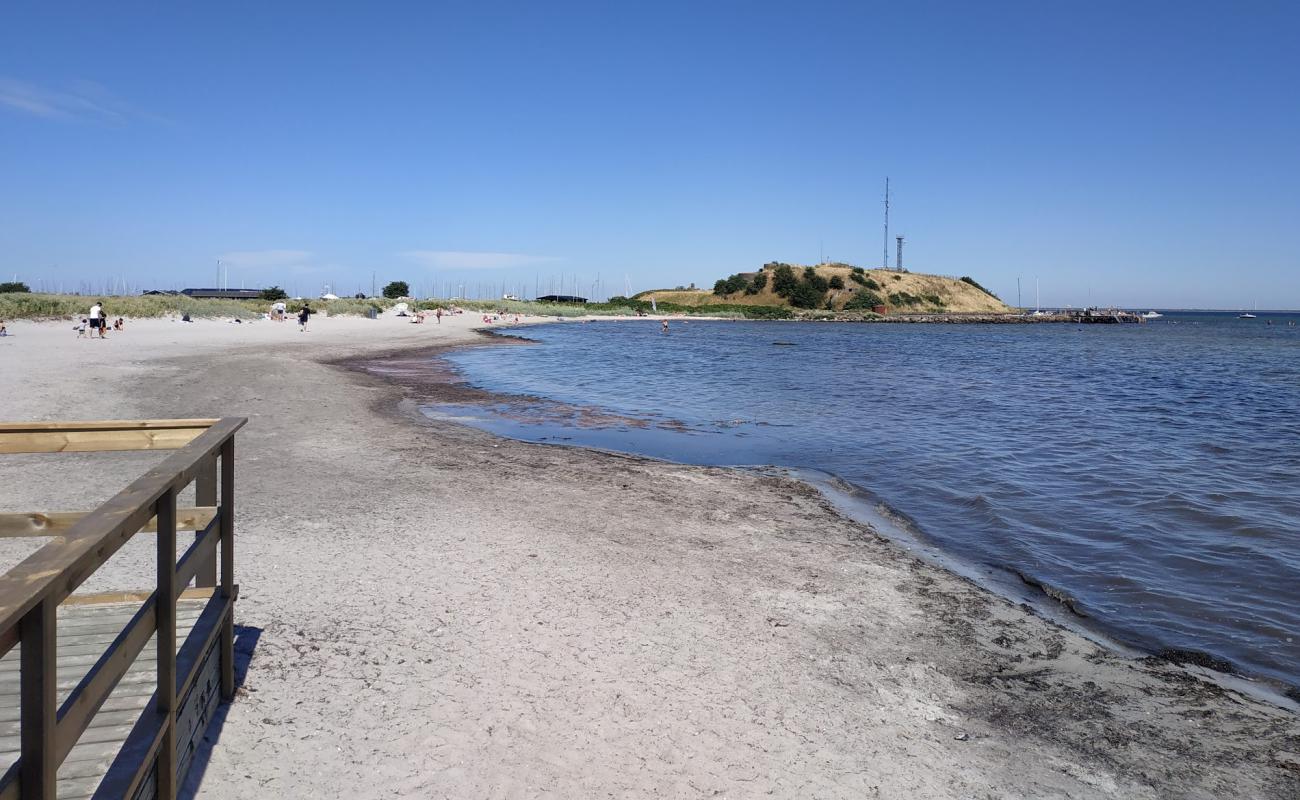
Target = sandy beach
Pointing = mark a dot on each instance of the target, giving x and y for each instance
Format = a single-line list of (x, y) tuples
[(431, 611)]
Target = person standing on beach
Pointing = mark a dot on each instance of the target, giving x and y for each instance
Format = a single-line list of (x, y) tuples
[(303, 316), (97, 319), (438, 314)]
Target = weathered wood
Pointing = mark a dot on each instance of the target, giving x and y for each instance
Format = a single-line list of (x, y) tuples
[(96, 441), (105, 425), (166, 693), (57, 523), (199, 640), (61, 565), (198, 556), (205, 494), (135, 761), (99, 435), (228, 567), (102, 671), (100, 598), (38, 765), (90, 693)]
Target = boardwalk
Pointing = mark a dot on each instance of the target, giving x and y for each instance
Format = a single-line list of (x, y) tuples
[(85, 632), (108, 696)]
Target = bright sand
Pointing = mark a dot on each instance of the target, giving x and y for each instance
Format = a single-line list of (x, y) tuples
[(435, 612)]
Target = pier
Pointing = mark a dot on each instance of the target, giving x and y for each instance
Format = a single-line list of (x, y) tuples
[(109, 695)]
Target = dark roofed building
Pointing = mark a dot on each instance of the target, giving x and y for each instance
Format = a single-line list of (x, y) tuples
[(224, 294), (561, 298)]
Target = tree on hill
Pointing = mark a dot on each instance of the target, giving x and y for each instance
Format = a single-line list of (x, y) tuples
[(731, 285), (274, 293), (836, 282), (758, 284), (783, 280), (865, 299), (397, 289), (805, 295), (968, 279), (14, 287)]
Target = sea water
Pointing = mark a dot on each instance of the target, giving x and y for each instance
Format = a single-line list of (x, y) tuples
[(1149, 474)]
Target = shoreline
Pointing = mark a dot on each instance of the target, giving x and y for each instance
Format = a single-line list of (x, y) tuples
[(445, 612), (445, 385)]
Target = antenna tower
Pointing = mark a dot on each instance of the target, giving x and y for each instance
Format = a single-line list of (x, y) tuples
[(898, 259), (884, 259)]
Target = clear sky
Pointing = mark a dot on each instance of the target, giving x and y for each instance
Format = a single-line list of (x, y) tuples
[(1143, 154)]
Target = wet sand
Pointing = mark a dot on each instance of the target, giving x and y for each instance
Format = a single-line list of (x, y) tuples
[(432, 611)]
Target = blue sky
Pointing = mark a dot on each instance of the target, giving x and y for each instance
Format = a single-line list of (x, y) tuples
[(1134, 153)]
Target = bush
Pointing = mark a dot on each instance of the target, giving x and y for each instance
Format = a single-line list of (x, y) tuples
[(397, 289), (806, 295), (836, 282), (731, 285), (934, 299), (758, 284), (971, 281), (14, 287), (863, 300), (274, 293), (858, 271), (904, 299), (784, 283)]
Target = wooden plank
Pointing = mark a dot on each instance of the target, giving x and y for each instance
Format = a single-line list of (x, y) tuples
[(166, 608), (205, 494), (135, 761), (96, 441), (193, 593), (228, 589), (106, 425), (199, 640), (198, 556), (57, 523), (38, 765), (90, 693), (60, 566)]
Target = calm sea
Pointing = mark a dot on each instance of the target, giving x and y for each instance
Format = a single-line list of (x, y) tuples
[(1150, 473)]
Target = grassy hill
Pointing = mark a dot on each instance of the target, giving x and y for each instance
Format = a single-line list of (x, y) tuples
[(840, 287)]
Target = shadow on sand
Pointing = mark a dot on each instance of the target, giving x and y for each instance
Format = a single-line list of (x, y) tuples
[(246, 639)]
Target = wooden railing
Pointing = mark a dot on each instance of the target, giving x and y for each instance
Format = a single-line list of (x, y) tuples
[(31, 592)]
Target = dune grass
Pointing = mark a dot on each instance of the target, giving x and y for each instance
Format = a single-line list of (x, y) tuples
[(67, 306)]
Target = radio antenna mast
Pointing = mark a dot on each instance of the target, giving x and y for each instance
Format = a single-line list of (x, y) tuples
[(884, 259)]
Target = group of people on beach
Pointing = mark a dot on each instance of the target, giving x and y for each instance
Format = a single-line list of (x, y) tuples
[(96, 321)]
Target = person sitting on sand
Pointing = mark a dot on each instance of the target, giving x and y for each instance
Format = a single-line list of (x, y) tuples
[(3, 330), (303, 316), (119, 324)]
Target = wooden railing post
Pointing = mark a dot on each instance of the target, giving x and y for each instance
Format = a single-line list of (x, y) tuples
[(205, 494), (166, 610), (39, 762), (228, 566)]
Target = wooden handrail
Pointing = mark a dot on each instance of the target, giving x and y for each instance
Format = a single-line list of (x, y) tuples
[(99, 435), (57, 523), (60, 566), (32, 591)]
